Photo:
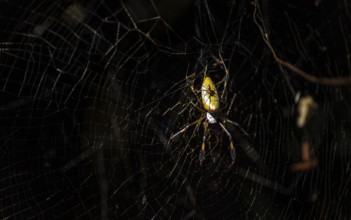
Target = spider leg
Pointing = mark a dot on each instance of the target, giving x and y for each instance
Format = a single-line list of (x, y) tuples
[(246, 146), (226, 78), (202, 151), (237, 125), (185, 128), (192, 86), (231, 148), (197, 107)]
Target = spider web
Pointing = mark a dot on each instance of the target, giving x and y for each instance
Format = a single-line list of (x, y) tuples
[(91, 92)]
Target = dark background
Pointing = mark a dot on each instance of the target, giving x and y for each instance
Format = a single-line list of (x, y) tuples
[(92, 90)]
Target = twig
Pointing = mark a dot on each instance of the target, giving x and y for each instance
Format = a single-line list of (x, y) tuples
[(341, 81)]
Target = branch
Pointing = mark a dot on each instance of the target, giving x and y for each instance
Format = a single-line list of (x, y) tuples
[(341, 81)]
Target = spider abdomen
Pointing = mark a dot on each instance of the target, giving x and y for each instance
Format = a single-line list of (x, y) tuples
[(209, 95)]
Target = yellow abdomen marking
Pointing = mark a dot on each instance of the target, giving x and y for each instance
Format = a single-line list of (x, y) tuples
[(209, 95)]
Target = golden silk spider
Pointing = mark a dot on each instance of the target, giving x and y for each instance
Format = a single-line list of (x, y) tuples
[(210, 113)]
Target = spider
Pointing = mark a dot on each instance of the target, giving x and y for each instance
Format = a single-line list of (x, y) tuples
[(211, 113)]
